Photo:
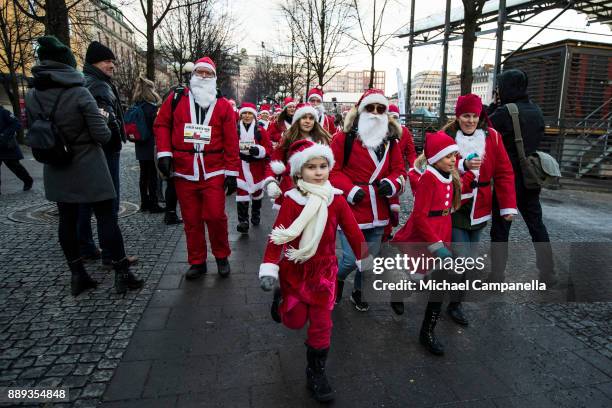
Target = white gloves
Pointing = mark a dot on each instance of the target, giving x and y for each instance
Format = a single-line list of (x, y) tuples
[(273, 190)]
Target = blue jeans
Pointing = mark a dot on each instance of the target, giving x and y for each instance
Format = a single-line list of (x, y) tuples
[(346, 265), (467, 242), (87, 246)]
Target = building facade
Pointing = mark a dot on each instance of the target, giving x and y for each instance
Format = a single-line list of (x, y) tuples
[(354, 81)]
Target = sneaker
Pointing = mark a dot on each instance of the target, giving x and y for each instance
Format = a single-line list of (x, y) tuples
[(358, 303)]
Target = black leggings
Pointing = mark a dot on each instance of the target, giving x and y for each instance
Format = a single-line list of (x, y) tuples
[(170, 195), (148, 181), (110, 234)]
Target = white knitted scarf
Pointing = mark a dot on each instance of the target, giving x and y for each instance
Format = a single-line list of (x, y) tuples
[(310, 223)]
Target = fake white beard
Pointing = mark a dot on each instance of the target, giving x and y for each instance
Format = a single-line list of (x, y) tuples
[(204, 90), (320, 109), (372, 129), (471, 144)]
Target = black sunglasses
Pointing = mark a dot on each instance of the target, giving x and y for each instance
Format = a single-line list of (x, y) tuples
[(380, 109)]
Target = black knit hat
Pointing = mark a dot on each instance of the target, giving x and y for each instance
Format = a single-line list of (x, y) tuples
[(50, 48), (97, 52)]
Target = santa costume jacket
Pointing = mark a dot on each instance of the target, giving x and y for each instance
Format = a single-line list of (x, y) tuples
[(253, 170), (365, 171), (495, 169), (406, 144), (327, 123), (219, 157), (276, 130), (314, 281)]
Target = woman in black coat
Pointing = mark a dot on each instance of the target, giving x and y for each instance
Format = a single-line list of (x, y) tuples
[(10, 154)]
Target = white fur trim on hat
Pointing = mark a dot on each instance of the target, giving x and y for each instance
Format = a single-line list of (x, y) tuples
[(247, 109), (304, 110), (448, 149), (297, 160), (204, 65), (315, 96), (373, 98), (278, 167)]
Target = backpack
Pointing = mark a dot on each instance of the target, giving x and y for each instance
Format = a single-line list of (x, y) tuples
[(46, 140), (539, 169), (135, 124)]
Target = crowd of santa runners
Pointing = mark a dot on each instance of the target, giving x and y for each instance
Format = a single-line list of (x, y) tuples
[(330, 178)]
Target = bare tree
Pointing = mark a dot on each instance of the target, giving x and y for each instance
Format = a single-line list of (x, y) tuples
[(129, 68), (266, 80), (181, 40), (472, 12), (322, 34), (375, 37)]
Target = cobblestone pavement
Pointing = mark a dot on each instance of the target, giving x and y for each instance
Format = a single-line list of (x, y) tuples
[(212, 343)]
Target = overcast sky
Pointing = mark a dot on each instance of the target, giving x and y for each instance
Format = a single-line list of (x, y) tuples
[(262, 20)]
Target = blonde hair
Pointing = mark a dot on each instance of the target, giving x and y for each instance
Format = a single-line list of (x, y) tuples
[(145, 91)]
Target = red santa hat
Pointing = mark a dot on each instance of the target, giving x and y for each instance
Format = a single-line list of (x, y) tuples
[(288, 101), (394, 111), (304, 109), (264, 109), (469, 103), (438, 145), (205, 62), (277, 110), (315, 93), (303, 150), (248, 107), (371, 96)]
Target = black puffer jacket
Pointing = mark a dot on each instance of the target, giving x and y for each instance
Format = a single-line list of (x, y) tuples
[(512, 86), (107, 96)]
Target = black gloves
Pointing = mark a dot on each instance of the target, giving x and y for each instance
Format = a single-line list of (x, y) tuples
[(254, 151), (230, 185), (358, 196), (385, 188), (245, 157), (164, 164)]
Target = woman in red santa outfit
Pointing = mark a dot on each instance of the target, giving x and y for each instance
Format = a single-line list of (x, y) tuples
[(263, 117), (283, 120), (255, 150), (483, 162), (304, 126), (315, 99), (301, 255), (369, 170), (428, 230), (197, 143)]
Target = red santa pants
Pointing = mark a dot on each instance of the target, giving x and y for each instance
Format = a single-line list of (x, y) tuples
[(295, 314), (203, 204)]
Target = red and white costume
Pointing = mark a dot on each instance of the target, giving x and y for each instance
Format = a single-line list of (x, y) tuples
[(199, 168), (430, 222), (278, 127), (365, 170), (326, 121), (252, 172), (495, 168)]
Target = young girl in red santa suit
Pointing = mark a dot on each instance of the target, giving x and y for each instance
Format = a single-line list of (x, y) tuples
[(438, 192), (255, 152), (301, 255), (482, 161), (304, 126)]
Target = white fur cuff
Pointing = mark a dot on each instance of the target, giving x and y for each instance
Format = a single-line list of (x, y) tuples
[(352, 193), (508, 211), (278, 167), (268, 269), (164, 154), (262, 152)]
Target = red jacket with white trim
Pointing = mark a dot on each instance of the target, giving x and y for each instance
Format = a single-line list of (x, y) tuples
[(219, 157)]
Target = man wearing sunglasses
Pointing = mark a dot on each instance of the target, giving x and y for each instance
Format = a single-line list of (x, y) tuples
[(197, 143), (369, 170)]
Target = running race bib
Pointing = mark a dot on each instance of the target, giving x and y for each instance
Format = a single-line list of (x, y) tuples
[(194, 133)]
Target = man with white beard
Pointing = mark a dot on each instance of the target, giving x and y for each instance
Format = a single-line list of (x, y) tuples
[(197, 143), (369, 170), (315, 99)]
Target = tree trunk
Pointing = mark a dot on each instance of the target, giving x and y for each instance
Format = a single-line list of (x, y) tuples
[(150, 42), (372, 49), (472, 12), (56, 20)]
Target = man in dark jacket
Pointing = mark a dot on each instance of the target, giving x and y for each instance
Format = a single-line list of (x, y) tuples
[(98, 70), (10, 154), (512, 88)]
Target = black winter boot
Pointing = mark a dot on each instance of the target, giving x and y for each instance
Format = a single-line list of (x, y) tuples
[(195, 271), (170, 218), (124, 279), (427, 336), (223, 267), (243, 217), (276, 300), (339, 289), (455, 312), (316, 379), (256, 212), (80, 280)]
